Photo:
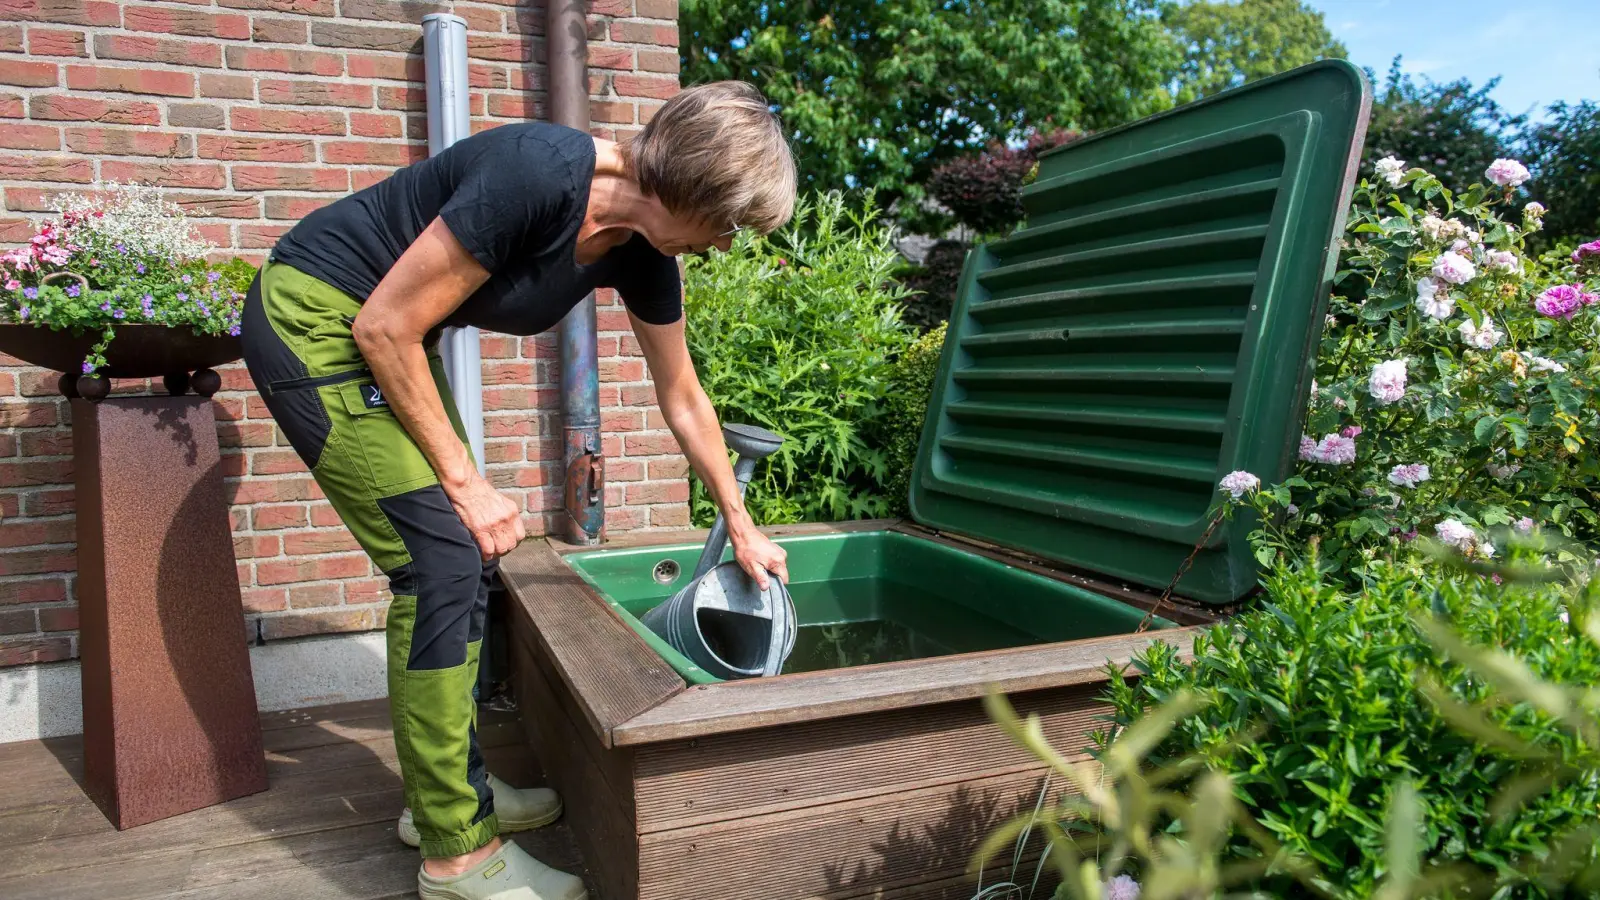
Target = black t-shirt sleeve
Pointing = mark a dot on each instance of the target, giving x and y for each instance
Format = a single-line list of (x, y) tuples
[(648, 282), (511, 195)]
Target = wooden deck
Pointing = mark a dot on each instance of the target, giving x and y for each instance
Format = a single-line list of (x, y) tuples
[(324, 830)]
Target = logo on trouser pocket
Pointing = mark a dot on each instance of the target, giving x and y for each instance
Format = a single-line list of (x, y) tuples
[(372, 396)]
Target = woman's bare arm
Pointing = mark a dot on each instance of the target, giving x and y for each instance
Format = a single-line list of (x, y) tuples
[(433, 277), (694, 423)]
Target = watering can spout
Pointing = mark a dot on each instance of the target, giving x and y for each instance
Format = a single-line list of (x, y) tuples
[(722, 620)]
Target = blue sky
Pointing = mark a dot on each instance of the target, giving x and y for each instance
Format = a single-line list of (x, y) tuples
[(1544, 50)]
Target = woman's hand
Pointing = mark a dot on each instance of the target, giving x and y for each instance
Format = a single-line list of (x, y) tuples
[(493, 518), (757, 555)]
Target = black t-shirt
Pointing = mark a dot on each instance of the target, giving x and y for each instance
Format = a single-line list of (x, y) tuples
[(515, 197)]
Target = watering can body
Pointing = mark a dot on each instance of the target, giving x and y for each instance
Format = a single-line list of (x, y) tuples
[(722, 620)]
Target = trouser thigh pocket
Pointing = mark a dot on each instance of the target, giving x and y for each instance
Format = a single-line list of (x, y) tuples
[(391, 455)]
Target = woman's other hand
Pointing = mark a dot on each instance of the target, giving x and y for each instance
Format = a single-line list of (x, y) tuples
[(494, 519)]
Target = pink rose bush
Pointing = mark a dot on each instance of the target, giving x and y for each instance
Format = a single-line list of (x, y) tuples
[(119, 254), (1455, 386)]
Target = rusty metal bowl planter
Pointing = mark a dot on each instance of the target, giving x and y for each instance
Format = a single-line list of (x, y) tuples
[(182, 358)]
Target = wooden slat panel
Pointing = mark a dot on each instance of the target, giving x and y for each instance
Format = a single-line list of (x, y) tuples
[(787, 699), (841, 851), (754, 773), (611, 672), (571, 755)]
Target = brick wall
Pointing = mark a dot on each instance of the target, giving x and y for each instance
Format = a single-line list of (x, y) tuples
[(253, 113)]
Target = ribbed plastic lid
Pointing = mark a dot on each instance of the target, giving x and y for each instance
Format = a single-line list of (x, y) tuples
[(1150, 330)]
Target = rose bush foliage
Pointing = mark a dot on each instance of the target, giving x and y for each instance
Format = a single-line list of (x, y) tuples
[(1455, 383)]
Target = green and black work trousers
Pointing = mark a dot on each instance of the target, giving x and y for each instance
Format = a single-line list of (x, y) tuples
[(304, 361)]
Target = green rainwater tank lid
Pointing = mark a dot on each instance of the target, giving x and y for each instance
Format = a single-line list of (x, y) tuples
[(1150, 330)]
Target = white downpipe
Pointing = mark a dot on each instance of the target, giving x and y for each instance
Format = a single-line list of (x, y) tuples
[(444, 49)]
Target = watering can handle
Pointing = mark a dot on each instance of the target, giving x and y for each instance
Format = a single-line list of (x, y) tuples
[(752, 444), (743, 470)]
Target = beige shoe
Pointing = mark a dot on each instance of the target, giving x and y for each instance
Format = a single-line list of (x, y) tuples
[(509, 874), (518, 809)]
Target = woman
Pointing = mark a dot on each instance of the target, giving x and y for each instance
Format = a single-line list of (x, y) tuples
[(506, 230)]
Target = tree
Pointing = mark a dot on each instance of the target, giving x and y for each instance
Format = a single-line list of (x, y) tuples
[(1453, 130), (1228, 44), (876, 93), (1564, 154)]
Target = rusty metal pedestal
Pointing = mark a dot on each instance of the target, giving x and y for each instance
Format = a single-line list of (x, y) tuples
[(169, 708)]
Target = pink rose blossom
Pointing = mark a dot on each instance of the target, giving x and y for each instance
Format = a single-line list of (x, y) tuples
[(1456, 534), (1524, 525), (1239, 483), (1122, 887), (1453, 267), (1388, 381), (1409, 475), (1308, 448), (1351, 431), (1336, 450), (1587, 256), (1504, 260), (13, 285), (1562, 301), (1434, 300), (1506, 172), (1484, 336)]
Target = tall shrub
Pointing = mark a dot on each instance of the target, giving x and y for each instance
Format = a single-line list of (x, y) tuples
[(1563, 152), (910, 388), (795, 333), (1453, 129)]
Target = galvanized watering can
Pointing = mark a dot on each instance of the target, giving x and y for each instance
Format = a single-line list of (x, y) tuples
[(722, 621)]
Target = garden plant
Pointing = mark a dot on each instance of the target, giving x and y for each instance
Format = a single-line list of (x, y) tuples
[(120, 255), (795, 332), (1455, 386)]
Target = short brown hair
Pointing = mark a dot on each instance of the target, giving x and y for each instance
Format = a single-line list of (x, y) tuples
[(717, 151)]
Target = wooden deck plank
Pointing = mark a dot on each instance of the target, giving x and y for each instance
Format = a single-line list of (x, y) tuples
[(763, 702), (324, 829), (614, 674)]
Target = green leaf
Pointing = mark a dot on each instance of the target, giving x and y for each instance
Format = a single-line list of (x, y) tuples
[(1483, 431), (1569, 399)]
